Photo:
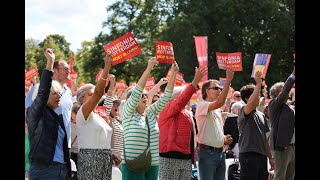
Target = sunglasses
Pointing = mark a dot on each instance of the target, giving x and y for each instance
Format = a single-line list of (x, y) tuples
[(238, 96), (216, 88)]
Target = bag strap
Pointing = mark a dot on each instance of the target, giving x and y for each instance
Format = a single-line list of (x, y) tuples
[(124, 146), (74, 140)]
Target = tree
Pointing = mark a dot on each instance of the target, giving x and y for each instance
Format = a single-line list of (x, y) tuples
[(31, 47)]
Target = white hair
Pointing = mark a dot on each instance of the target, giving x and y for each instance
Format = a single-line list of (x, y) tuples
[(81, 92), (177, 90), (236, 105)]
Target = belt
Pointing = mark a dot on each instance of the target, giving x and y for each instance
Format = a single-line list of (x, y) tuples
[(203, 146), (56, 163), (280, 148)]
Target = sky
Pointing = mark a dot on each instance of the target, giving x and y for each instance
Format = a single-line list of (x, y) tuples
[(76, 20)]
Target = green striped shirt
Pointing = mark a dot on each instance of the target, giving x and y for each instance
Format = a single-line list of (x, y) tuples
[(135, 127)]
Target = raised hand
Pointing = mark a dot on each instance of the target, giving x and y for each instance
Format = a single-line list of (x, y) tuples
[(175, 67), (229, 74), (49, 54), (199, 73), (107, 60), (112, 78), (152, 62), (163, 81), (257, 77)]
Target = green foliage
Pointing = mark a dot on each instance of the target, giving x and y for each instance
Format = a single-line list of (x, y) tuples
[(59, 46), (31, 47)]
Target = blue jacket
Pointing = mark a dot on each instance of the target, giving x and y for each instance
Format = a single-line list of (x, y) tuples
[(43, 124)]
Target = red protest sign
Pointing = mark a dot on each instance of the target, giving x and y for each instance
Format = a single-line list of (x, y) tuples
[(150, 83), (73, 75), (179, 78), (101, 110), (164, 52), (123, 48), (233, 60), (31, 72), (121, 85)]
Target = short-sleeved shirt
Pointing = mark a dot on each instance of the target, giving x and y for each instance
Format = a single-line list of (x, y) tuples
[(210, 126), (252, 132), (93, 133)]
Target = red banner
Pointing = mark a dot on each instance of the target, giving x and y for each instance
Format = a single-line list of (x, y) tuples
[(164, 52), (31, 72), (202, 52), (123, 48), (226, 60), (71, 62)]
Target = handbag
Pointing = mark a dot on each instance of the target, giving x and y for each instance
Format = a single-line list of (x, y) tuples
[(143, 161)]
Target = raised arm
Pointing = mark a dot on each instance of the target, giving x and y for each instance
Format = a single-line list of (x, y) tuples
[(93, 101), (223, 95), (253, 100), (174, 71), (108, 101), (36, 109), (143, 79), (155, 89)]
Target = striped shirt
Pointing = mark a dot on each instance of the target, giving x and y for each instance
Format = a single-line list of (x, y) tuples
[(135, 127)]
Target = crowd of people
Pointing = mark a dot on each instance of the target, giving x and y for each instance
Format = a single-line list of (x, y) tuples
[(101, 131)]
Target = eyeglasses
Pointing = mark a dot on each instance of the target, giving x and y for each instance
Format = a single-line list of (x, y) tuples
[(216, 88), (65, 69), (56, 93), (238, 96), (144, 95)]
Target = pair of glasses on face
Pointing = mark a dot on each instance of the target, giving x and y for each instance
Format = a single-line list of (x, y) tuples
[(215, 88), (65, 69), (144, 95), (56, 93), (238, 96)]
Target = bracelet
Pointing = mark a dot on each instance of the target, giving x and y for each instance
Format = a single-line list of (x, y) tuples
[(102, 78)]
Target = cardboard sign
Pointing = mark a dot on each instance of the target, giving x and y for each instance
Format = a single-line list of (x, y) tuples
[(101, 110), (30, 73), (164, 52), (123, 48), (226, 60), (179, 78), (261, 63), (150, 83)]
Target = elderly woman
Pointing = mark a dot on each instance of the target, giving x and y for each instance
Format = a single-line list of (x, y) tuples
[(176, 141), (94, 134), (49, 154), (135, 113)]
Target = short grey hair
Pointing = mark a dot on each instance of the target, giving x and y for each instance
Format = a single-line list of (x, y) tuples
[(274, 88), (177, 90), (236, 105), (81, 92)]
